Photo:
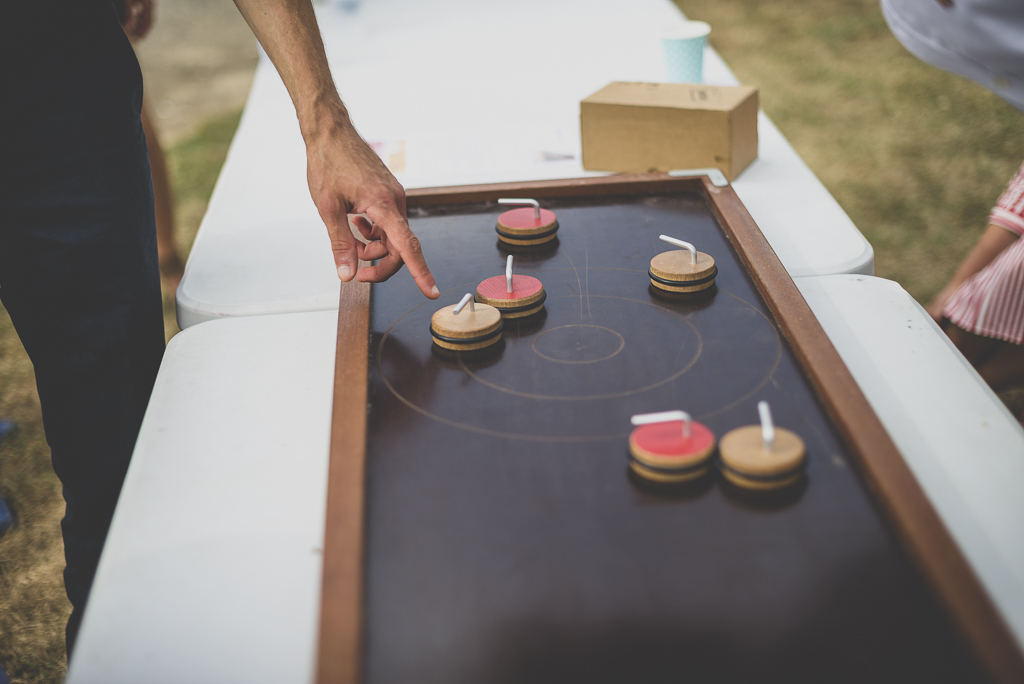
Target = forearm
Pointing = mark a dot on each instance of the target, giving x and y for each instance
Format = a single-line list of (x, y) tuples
[(345, 176), (288, 31), (991, 244)]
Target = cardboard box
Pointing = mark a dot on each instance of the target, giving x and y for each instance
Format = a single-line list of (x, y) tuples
[(638, 127)]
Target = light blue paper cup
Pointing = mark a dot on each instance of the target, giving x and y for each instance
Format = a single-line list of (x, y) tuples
[(684, 52)]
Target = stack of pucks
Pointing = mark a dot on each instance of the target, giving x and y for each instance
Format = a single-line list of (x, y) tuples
[(528, 226), (669, 447), (762, 457), (526, 297), (476, 327), (683, 270)]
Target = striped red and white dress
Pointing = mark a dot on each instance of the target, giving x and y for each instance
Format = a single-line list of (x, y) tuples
[(991, 302)]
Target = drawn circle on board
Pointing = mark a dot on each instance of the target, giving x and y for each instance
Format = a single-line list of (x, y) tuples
[(578, 343), (546, 382), (511, 387)]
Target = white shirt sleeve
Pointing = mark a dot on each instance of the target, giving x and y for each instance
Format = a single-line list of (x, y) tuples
[(982, 40)]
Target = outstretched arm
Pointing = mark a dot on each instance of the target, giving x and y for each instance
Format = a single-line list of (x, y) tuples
[(345, 176), (990, 245)]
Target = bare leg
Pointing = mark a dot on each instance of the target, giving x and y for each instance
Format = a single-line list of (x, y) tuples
[(975, 348), (1000, 364), (171, 267), (1004, 368)]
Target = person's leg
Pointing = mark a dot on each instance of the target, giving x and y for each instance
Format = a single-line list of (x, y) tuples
[(88, 311), (1004, 368), (975, 348), (90, 317), (78, 258), (171, 267), (999, 363)]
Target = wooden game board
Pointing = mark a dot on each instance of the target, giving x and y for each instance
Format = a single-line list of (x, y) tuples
[(481, 524)]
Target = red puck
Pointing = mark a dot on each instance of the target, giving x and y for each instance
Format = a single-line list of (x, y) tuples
[(527, 296), (523, 287), (663, 445), (525, 220)]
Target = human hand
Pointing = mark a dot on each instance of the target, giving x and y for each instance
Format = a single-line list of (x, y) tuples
[(346, 177), (138, 18), (938, 304)]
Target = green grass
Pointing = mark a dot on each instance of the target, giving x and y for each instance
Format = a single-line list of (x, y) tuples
[(916, 156), (194, 164), (33, 607)]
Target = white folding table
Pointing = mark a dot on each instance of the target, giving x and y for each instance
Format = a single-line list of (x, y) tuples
[(464, 93), (211, 570), (961, 443)]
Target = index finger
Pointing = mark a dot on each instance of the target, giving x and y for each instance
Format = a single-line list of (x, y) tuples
[(402, 242)]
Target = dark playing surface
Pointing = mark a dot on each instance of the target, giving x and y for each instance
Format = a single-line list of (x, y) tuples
[(506, 541)]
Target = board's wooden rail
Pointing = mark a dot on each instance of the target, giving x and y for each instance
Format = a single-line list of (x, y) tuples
[(888, 476), (341, 603)]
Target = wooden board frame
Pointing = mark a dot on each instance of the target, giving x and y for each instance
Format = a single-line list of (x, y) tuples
[(887, 475)]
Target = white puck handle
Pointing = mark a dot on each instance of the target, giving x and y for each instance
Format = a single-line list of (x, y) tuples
[(508, 274), (767, 426), (679, 243), (522, 200), (663, 417), (466, 299)]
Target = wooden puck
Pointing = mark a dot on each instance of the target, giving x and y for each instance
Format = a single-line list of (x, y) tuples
[(673, 271), (527, 296), (467, 330), (661, 453), (522, 227), (745, 463)]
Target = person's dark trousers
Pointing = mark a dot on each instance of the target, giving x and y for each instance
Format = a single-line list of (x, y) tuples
[(78, 260)]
